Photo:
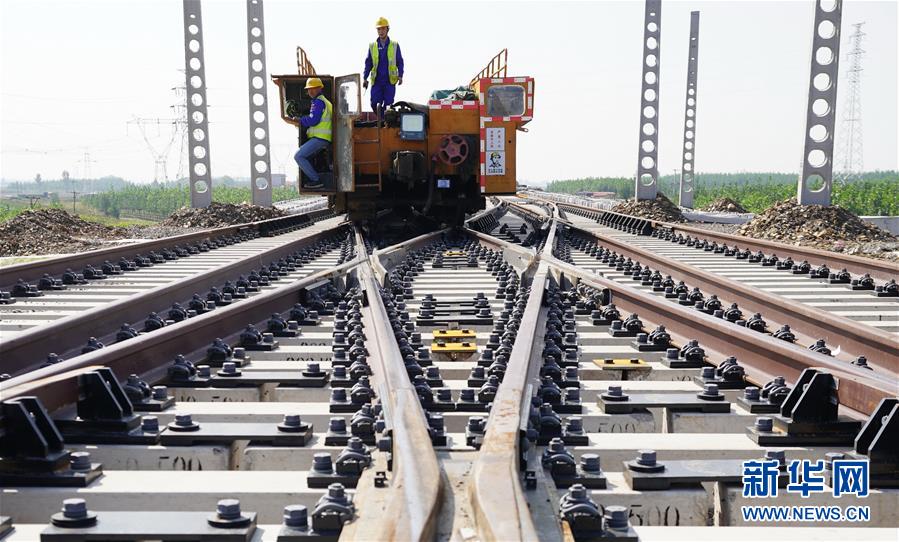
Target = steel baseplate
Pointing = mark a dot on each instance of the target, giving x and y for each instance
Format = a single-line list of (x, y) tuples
[(879, 442), (760, 406), (104, 413), (808, 416), (258, 378), (164, 526), (323, 480), (681, 363), (691, 473), (680, 402), (722, 383), (565, 478), (622, 364), (268, 434), (575, 530), (290, 534), (154, 405), (31, 449), (61, 478)]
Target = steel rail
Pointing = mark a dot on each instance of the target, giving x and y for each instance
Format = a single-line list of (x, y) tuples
[(393, 255), (543, 219), (879, 269), (490, 209), (27, 350), (56, 266), (149, 355), (764, 357), (537, 215), (495, 491), (412, 507), (381, 260), (853, 337)]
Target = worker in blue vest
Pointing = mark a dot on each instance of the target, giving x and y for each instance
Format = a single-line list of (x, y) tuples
[(318, 131), (383, 67)]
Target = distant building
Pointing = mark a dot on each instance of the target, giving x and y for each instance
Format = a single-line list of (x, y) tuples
[(278, 180)]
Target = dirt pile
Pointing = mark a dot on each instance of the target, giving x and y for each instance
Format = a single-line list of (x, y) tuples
[(825, 227), (220, 214), (660, 208), (725, 205), (51, 231)]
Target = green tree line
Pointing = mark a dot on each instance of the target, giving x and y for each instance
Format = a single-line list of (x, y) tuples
[(873, 193), (162, 200)]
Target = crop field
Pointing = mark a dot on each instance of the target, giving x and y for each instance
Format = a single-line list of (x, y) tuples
[(132, 204), (875, 193)]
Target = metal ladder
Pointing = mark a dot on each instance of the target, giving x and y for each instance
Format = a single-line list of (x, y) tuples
[(376, 141)]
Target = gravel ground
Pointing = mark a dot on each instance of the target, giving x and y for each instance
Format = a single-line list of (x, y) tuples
[(220, 214), (157, 231), (720, 228), (55, 232), (660, 208), (725, 205), (880, 250)]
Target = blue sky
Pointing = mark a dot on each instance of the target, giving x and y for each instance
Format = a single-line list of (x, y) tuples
[(72, 73)]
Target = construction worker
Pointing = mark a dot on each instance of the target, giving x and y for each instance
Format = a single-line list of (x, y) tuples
[(384, 64), (318, 131)]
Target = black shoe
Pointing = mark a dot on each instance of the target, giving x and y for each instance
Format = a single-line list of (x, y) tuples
[(314, 186)]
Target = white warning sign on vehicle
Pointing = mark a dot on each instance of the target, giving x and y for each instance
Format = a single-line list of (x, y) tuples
[(496, 162), (496, 139)]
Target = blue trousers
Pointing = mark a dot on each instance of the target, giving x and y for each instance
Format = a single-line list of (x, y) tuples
[(382, 94), (306, 151)]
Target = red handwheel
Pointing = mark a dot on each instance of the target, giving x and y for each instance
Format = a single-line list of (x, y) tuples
[(453, 150)]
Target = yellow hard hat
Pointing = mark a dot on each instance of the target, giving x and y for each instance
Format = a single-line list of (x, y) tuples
[(314, 82), (381, 23)]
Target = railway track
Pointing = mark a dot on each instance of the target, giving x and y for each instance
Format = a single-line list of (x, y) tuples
[(499, 389), (821, 312), (768, 274), (79, 312)]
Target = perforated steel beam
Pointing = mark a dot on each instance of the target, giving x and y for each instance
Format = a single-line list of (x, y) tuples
[(260, 163), (687, 171), (197, 121), (647, 181), (816, 180)]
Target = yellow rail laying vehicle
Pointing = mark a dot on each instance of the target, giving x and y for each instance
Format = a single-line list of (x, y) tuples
[(440, 159)]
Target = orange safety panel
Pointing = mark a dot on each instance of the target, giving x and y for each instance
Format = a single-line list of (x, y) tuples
[(499, 157), (453, 121)]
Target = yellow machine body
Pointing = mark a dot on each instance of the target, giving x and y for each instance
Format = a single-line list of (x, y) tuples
[(439, 159)]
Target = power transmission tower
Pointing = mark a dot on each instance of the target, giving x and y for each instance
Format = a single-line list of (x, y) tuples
[(178, 123), (160, 157), (179, 113), (86, 181), (850, 151)]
